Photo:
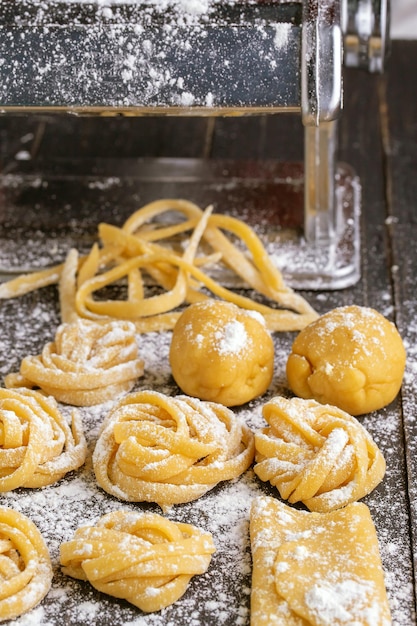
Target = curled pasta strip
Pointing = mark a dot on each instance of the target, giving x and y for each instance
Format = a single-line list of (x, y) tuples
[(148, 244), (169, 450), (86, 364), (316, 454), (25, 565), (140, 557), (37, 446)]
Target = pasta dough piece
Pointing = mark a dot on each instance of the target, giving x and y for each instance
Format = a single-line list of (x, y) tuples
[(140, 557), (316, 454), (37, 446), (166, 450), (352, 357), (26, 570), (222, 353), (317, 569), (86, 364)]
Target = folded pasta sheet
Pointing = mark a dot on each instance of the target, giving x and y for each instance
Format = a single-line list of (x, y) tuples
[(322, 569)]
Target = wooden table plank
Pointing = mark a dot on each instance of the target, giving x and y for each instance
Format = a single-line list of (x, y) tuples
[(401, 157), (361, 146)]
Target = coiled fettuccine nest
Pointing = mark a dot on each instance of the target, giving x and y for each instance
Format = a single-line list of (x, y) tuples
[(167, 450), (86, 364), (142, 558), (26, 570), (37, 446), (316, 454)]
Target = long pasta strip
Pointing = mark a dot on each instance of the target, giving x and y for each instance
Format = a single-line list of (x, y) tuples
[(68, 287), (144, 246), (25, 283), (152, 209), (132, 309), (232, 255), (277, 319), (163, 273)]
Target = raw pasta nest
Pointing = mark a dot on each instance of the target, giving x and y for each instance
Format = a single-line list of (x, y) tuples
[(171, 242), (168, 450), (142, 558), (316, 454), (86, 364), (37, 446), (26, 570)]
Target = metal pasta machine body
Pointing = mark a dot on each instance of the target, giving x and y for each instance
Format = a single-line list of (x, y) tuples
[(208, 57)]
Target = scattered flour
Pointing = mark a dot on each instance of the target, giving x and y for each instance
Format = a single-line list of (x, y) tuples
[(232, 339), (223, 593), (144, 53)]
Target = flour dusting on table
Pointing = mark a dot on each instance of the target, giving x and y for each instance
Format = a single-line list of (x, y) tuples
[(223, 593)]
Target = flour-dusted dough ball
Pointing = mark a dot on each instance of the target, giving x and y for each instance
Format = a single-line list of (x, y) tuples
[(222, 353), (351, 357)]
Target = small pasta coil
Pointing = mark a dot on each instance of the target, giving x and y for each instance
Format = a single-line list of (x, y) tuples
[(37, 445), (316, 454), (169, 450), (86, 364), (25, 565), (140, 557)]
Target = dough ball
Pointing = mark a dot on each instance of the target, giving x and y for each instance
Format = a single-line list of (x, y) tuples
[(351, 357), (221, 353)]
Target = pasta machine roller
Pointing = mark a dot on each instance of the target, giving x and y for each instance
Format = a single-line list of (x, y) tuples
[(200, 57)]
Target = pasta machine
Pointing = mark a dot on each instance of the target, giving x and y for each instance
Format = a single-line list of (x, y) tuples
[(207, 57)]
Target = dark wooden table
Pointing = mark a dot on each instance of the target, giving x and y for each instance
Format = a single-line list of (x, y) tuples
[(53, 156)]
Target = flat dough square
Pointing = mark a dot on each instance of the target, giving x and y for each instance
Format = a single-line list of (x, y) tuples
[(319, 569)]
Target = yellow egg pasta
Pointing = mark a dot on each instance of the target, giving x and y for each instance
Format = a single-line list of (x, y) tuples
[(141, 557), (167, 450), (169, 242), (221, 353), (86, 364), (316, 454), (315, 569), (25, 565), (37, 446), (352, 357)]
